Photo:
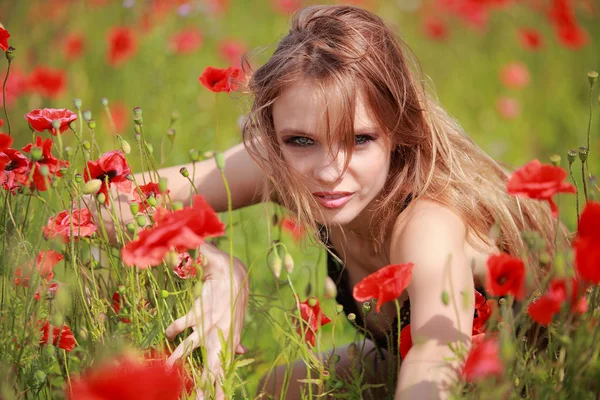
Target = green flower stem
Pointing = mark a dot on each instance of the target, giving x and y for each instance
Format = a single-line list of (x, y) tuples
[(584, 179), (4, 98), (589, 120), (576, 193)]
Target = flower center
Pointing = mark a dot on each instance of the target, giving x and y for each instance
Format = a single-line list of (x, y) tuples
[(10, 166), (110, 174)]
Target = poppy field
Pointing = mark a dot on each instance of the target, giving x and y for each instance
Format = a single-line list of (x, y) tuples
[(98, 95)]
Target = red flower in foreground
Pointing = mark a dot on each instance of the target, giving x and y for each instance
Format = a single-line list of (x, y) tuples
[(60, 225), (48, 81), (220, 80), (515, 75), (61, 337), (543, 309), (539, 181), (73, 46), (291, 226), (40, 182), (587, 243), (186, 41), (14, 169), (405, 341), (483, 361), (183, 230), (385, 285), (530, 39), (187, 267), (505, 275), (312, 319), (112, 166), (130, 379), (41, 120), (5, 140), (4, 35), (122, 45), (149, 190), (45, 262)]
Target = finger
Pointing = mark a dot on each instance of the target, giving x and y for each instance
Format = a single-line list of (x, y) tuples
[(184, 348), (213, 369), (179, 325), (241, 349)]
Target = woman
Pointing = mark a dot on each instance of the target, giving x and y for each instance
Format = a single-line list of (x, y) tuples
[(343, 134)]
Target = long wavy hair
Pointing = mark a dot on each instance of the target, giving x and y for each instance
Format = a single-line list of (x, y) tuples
[(343, 50)]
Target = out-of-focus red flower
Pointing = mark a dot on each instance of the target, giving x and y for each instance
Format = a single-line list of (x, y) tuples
[(530, 39), (435, 28), (483, 311), (44, 263), (508, 107), (505, 275), (559, 291), (40, 182), (111, 165), (151, 189), (14, 169), (4, 35), (183, 230), (1, 124), (385, 284), (116, 306), (286, 7), (587, 243), (60, 225), (61, 337), (291, 226), (539, 181), (572, 36), (187, 267), (120, 114), (515, 75), (405, 341), (312, 319), (473, 12), (5, 140), (220, 80), (122, 45), (52, 288), (568, 30), (73, 46), (186, 41), (49, 82), (483, 361), (130, 379), (41, 120), (216, 6), (232, 50), (16, 85)]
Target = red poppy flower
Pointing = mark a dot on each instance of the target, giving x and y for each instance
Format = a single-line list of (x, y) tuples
[(5, 140), (61, 337), (186, 267), (120, 114), (505, 275), (14, 170), (587, 244), (508, 108), (286, 7), (483, 311), (182, 230), (116, 306), (130, 379), (16, 85), (232, 50), (60, 225), (220, 80), (45, 262), (216, 6), (312, 319), (149, 190), (572, 36), (53, 164), (405, 341), (543, 309), (483, 361), (291, 226), (112, 166), (73, 46), (515, 75), (48, 82), (122, 45), (385, 285), (539, 181), (530, 39), (186, 41), (4, 35), (51, 290), (435, 28), (41, 120)]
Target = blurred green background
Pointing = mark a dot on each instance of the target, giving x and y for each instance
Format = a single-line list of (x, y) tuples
[(543, 111)]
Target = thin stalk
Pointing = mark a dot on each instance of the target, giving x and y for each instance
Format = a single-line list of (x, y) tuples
[(576, 192), (4, 98)]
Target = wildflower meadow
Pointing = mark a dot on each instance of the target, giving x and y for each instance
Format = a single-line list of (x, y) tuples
[(99, 95)]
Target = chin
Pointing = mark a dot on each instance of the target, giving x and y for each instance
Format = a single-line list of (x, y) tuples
[(337, 217)]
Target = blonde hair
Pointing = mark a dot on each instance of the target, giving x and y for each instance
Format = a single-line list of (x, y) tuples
[(345, 50)]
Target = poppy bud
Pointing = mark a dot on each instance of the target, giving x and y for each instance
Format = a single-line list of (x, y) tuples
[(445, 298), (77, 103), (10, 54), (164, 294), (571, 155), (141, 220), (134, 207), (151, 201), (125, 146), (56, 125), (351, 317), (92, 187), (176, 206), (592, 77), (44, 170), (149, 147), (78, 178), (171, 134), (198, 289), (138, 132), (83, 333), (138, 120), (208, 154), (36, 153), (288, 263), (91, 124), (338, 385), (183, 171), (69, 151), (220, 160), (174, 117), (325, 376), (352, 351), (366, 307), (131, 227), (339, 308), (137, 111), (86, 145), (162, 184), (104, 101), (87, 115), (330, 288), (555, 160), (583, 153), (172, 259), (40, 376), (194, 156), (276, 266), (312, 301), (545, 258), (507, 350)]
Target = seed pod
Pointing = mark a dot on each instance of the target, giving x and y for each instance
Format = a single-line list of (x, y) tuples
[(141, 220), (101, 198), (172, 259), (330, 288), (288, 263), (125, 146), (164, 294), (134, 207), (194, 156), (445, 298), (92, 186), (36, 153), (276, 265), (184, 172)]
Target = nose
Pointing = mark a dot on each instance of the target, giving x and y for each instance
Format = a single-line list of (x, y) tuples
[(329, 168)]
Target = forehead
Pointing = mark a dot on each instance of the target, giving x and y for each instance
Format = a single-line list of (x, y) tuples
[(303, 107)]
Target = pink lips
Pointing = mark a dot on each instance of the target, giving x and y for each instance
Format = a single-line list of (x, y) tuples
[(333, 199)]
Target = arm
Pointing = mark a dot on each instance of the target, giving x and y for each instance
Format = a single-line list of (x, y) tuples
[(434, 241)]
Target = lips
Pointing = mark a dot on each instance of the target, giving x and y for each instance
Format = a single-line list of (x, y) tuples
[(333, 199)]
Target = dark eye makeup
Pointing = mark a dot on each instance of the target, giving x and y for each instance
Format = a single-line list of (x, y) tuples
[(303, 141)]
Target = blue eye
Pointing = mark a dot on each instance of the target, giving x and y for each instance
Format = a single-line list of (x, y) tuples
[(363, 139), (299, 141)]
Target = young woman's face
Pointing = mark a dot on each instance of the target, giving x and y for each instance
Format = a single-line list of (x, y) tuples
[(300, 123)]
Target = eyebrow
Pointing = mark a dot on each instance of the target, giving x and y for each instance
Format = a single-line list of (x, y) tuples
[(292, 131)]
